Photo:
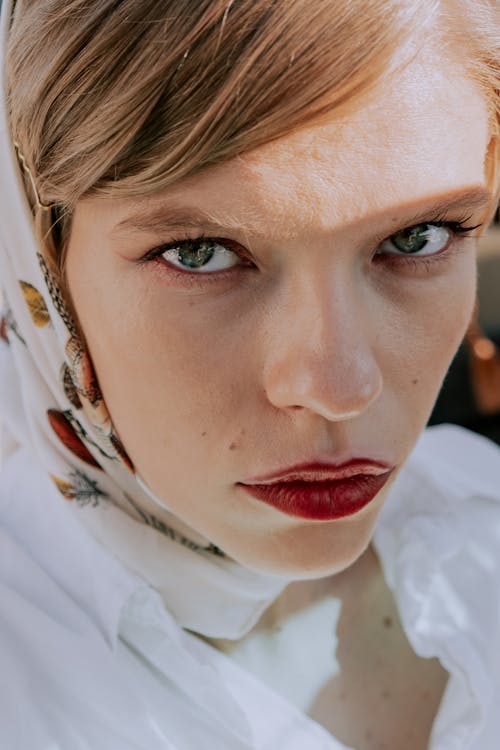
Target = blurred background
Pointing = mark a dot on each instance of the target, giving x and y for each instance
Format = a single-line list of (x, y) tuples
[(470, 395)]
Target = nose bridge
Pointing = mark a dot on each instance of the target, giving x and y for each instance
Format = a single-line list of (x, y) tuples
[(322, 354)]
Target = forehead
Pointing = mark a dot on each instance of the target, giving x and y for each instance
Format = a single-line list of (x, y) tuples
[(423, 131)]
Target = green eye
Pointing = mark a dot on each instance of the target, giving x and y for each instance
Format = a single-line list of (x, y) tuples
[(422, 239), (413, 239), (201, 256), (195, 255)]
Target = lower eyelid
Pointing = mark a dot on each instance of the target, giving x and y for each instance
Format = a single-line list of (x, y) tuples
[(456, 244), (189, 278)]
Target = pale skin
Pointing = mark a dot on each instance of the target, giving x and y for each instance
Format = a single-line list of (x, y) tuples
[(322, 343)]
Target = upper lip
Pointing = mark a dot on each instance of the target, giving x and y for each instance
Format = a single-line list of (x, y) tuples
[(323, 472)]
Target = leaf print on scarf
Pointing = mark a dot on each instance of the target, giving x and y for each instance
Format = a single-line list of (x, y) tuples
[(62, 426), (118, 446), (151, 520), (36, 304), (11, 326), (66, 489), (82, 372), (3, 330), (56, 295), (69, 387), (84, 380), (81, 488)]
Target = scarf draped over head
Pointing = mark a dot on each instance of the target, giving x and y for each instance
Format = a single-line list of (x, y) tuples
[(50, 402)]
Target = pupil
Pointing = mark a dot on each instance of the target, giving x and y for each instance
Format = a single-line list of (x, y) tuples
[(412, 240), (195, 255)]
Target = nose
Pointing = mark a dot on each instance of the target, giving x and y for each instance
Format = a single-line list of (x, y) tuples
[(320, 350)]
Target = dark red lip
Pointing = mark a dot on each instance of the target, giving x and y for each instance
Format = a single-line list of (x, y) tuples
[(322, 492)]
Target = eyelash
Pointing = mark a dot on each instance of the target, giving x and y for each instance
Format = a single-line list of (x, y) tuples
[(459, 231), (458, 228)]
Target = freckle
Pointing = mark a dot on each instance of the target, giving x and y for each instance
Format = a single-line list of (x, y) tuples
[(385, 694), (415, 382), (233, 446), (388, 622), (203, 434)]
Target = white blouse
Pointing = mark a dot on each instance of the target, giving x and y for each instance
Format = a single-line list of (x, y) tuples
[(91, 659)]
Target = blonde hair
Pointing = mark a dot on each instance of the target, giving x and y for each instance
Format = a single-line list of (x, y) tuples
[(120, 97)]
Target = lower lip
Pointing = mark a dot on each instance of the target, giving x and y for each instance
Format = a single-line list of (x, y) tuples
[(320, 501)]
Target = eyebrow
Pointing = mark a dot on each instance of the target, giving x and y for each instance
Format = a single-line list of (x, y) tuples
[(472, 199), (165, 219), (168, 218)]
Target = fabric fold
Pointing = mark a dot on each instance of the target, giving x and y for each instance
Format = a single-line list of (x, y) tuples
[(438, 539)]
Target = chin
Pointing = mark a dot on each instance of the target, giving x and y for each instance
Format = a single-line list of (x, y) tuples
[(305, 553)]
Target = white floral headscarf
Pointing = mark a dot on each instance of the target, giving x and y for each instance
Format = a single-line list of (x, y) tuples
[(50, 402)]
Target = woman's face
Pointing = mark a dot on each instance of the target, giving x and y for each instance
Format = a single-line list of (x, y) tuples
[(308, 325)]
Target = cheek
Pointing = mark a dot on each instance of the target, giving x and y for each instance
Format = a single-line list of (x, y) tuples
[(436, 316), (166, 368)]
